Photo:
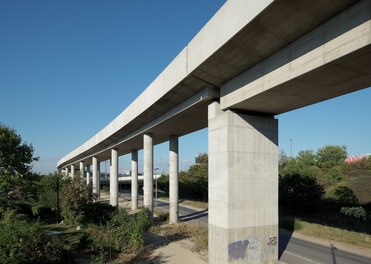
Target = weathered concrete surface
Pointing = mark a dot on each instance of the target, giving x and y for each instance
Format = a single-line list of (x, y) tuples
[(114, 188), (173, 179), (260, 58), (243, 187), (329, 61), (72, 170), (240, 35), (81, 165), (96, 183), (148, 172)]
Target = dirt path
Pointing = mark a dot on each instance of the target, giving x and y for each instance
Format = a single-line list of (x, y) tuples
[(166, 251)]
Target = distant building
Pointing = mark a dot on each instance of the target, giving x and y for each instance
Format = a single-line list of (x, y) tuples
[(356, 158)]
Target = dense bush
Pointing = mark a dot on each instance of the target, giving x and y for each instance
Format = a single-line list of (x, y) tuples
[(42, 212), (18, 184), (345, 195), (356, 212), (98, 213), (24, 242), (75, 199), (299, 193), (123, 234)]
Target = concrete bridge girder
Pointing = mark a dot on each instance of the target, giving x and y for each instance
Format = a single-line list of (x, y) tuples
[(259, 58)]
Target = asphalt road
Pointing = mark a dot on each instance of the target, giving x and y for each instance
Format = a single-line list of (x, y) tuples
[(292, 250)]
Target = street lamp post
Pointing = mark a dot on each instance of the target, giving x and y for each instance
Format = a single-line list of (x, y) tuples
[(156, 169), (291, 147), (57, 198)]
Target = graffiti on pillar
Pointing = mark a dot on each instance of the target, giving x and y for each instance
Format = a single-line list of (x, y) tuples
[(237, 250), (254, 250), (249, 249), (273, 241), (272, 247)]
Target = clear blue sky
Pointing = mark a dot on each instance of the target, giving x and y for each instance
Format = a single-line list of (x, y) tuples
[(67, 68)]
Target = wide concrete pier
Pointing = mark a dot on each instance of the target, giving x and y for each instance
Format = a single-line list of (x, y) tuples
[(243, 187)]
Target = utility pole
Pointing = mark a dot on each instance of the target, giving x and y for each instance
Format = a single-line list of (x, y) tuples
[(156, 169), (57, 198), (291, 147)]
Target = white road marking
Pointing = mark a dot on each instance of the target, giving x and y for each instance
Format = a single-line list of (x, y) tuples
[(298, 256)]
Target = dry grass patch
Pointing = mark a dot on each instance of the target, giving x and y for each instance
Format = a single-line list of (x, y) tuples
[(336, 234), (197, 204), (196, 233)]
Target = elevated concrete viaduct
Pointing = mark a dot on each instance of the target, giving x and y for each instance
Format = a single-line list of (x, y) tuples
[(253, 60)]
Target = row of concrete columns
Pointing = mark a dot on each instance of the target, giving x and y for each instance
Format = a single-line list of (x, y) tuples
[(148, 176), (243, 185), (95, 174)]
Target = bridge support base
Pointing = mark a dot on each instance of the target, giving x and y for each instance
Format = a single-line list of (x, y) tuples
[(243, 187)]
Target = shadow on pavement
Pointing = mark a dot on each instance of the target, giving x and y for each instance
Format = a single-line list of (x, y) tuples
[(288, 223), (193, 216)]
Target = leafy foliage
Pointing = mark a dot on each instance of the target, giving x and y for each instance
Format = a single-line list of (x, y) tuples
[(331, 156), (300, 193), (18, 185), (48, 189), (24, 242), (123, 234), (192, 183), (15, 157), (345, 195), (75, 199), (356, 212)]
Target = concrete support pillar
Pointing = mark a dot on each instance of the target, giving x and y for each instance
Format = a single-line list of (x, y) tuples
[(96, 184), (82, 169), (72, 171), (173, 180), (113, 183), (243, 187), (148, 171), (66, 172), (98, 180), (87, 174), (134, 179)]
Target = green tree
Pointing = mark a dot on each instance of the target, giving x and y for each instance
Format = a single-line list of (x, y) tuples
[(76, 197), (201, 159), (346, 196), (304, 164), (16, 157), (48, 189), (331, 156), (163, 183), (18, 184), (199, 174), (299, 193), (282, 159)]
